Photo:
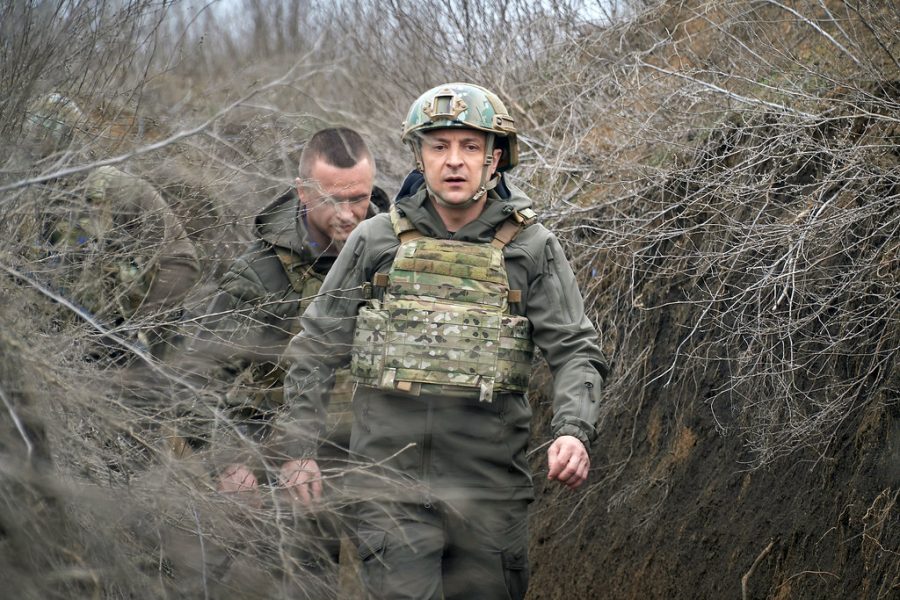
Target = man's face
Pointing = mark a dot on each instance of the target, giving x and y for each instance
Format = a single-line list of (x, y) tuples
[(453, 159), (336, 199)]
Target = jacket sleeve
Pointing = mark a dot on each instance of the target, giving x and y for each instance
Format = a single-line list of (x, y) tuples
[(323, 344), (178, 267), (568, 341), (237, 329)]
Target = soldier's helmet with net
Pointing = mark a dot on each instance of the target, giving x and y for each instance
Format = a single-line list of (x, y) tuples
[(52, 122)]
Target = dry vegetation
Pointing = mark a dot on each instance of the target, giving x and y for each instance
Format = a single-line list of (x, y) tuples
[(725, 175)]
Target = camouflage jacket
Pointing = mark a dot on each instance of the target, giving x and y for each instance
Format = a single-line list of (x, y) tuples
[(454, 446), (124, 251), (257, 307)]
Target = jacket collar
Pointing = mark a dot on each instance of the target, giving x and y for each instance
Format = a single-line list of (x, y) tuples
[(281, 224), (413, 201)]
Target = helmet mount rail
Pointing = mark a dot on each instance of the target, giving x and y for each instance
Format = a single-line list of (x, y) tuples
[(445, 105)]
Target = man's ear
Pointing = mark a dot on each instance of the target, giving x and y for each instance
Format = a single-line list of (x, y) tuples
[(498, 152), (301, 190)]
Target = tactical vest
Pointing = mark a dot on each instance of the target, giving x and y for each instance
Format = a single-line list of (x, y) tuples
[(442, 324), (307, 282)]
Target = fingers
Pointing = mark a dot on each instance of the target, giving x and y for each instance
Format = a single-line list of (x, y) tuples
[(574, 471), (568, 462), (303, 481), (316, 485), (308, 492), (237, 478), (300, 491)]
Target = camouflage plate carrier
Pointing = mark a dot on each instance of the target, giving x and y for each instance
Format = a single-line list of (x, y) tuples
[(443, 324)]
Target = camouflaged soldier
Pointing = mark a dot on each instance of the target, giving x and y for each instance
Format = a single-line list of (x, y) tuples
[(108, 239), (437, 307)]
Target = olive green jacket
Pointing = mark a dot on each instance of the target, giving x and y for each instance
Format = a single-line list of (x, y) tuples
[(257, 307), (451, 446)]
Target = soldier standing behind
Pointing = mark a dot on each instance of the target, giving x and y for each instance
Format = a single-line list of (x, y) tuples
[(437, 307), (257, 310)]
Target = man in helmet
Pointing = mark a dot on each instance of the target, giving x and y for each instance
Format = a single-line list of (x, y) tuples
[(437, 307)]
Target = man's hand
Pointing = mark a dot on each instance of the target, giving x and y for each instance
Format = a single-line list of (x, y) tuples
[(238, 478), (568, 461), (303, 480)]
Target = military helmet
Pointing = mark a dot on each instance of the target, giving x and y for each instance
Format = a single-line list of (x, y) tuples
[(467, 106), (51, 122)]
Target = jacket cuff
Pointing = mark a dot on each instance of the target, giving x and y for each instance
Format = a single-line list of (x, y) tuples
[(584, 432)]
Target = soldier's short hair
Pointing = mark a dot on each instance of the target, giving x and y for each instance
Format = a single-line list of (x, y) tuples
[(341, 147)]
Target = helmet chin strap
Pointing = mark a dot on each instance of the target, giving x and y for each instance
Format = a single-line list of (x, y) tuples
[(484, 185)]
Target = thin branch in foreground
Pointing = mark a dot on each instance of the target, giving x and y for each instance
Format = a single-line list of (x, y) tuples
[(187, 133)]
